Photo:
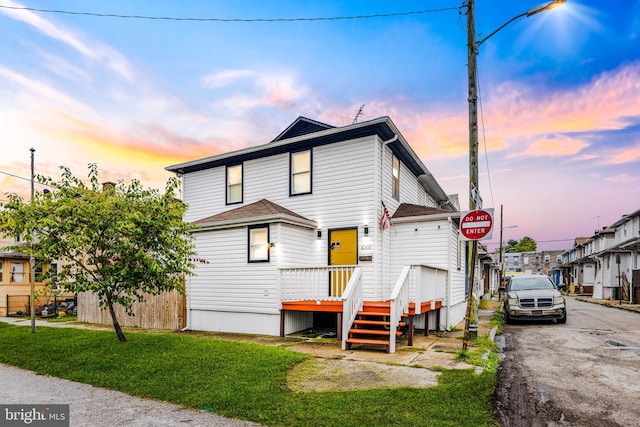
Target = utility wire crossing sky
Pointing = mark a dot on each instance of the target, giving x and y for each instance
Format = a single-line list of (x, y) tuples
[(136, 86)]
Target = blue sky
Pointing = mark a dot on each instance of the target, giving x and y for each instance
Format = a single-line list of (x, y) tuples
[(560, 93)]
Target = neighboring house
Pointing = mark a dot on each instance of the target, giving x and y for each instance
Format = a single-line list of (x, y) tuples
[(606, 263), (572, 261), (621, 260), (15, 280), (488, 274), (319, 224), (595, 248)]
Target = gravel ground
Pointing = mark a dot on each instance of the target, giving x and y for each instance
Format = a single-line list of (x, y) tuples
[(93, 406)]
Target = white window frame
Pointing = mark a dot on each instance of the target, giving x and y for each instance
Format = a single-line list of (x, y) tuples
[(395, 177), (236, 183), (305, 174), (13, 272), (258, 243)]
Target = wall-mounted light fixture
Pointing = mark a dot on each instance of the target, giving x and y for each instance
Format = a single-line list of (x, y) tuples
[(319, 234), (366, 230), (272, 244)]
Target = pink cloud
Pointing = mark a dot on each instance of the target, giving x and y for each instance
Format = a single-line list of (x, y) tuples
[(625, 156), (519, 114), (561, 146)]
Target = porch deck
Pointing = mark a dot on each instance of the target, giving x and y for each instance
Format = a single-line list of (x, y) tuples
[(340, 289), (337, 306)]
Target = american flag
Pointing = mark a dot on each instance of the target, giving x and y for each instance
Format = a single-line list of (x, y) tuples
[(385, 220)]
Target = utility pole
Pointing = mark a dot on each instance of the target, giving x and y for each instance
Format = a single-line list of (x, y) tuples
[(500, 266), (474, 192), (32, 263), (473, 158)]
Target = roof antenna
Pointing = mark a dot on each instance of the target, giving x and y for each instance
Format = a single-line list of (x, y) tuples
[(358, 114)]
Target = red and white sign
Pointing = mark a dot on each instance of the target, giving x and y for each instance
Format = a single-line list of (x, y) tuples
[(476, 225)]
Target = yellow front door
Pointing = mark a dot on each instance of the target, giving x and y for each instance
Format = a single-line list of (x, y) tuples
[(343, 250)]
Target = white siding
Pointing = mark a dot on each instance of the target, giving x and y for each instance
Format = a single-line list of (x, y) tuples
[(235, 322), (342, 185), (420, 243), (201, 191), (297, 246), (296, 321), (434, 244), (228, 284), (349, 181)]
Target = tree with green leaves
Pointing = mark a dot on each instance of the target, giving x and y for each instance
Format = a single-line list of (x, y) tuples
[(118, 241), (526, 244)]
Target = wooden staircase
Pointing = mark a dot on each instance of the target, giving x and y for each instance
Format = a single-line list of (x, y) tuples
[(371, 325)]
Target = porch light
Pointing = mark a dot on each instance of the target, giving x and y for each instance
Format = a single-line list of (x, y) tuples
[(366, 230), (272, 244), (319, 234)]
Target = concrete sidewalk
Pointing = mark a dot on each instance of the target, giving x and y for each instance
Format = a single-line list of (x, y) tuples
[(623, 305), (93, 406)]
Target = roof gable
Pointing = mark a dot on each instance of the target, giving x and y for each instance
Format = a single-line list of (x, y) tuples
[(302, 126), (260, 209)]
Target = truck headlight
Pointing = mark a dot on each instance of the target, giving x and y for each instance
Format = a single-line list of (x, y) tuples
[(558, 300), (513, 301)]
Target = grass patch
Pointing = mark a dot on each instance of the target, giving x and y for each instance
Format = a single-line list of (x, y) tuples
[(484, 353), (239, 379), (497, 320), (484, 304), (67, 318)]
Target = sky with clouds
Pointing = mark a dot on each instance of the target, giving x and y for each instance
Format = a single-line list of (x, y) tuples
[(559, 116)]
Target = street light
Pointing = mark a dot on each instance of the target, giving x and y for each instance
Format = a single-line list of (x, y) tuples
[(530, 12), (474, 193)]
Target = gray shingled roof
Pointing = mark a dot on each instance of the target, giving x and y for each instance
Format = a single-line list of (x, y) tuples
[(257, 209), (407, 210)]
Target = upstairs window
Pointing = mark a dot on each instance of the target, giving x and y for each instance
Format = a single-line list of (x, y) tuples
[(395, 178), (234, 184), (259, 243), (300, 166)]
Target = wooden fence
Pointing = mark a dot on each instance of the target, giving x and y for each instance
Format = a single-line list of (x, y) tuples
[(164, 311)]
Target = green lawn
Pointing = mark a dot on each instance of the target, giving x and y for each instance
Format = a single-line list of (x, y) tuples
[(239, 380)]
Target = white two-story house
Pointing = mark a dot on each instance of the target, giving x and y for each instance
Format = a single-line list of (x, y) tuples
[(343, 226)]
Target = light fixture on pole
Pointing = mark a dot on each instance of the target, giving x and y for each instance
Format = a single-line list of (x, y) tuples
[(474, 192)]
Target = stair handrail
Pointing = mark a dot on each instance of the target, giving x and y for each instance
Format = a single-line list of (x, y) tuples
[(399, 304), (352, 301)]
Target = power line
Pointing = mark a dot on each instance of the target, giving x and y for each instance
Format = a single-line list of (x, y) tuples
[(15, 176), (23, 178), (173, 18)]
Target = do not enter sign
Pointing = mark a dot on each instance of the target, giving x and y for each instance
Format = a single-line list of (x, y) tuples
[(477, 225)]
